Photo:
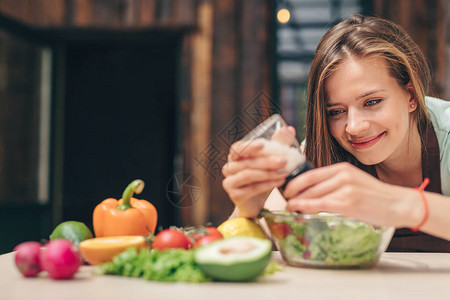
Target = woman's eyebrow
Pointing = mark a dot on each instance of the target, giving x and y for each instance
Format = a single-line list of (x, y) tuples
[(368, 93), (365, 94)]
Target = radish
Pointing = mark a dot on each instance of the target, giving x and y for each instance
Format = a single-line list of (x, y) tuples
[(27, 258), (60, 259)]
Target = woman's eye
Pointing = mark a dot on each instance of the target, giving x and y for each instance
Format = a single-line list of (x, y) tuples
[(372, 102), (334, 112)]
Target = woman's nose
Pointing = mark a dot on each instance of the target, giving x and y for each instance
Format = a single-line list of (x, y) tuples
[(357, 122)]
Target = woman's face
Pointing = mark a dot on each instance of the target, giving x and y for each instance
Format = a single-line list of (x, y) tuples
[(368, 111)]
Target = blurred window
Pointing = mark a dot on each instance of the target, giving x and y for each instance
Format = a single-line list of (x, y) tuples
[(300, 24)]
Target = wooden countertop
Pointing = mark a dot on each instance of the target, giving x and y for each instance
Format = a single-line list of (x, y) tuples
[(397, 276)]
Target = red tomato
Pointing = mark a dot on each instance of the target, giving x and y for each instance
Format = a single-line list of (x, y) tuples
[(280, 229), (169, 239), (202, 232), (207, 239), (303, 240), (213, 231)]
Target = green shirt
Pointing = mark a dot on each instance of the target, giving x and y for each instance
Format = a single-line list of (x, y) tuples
[(439, 111)]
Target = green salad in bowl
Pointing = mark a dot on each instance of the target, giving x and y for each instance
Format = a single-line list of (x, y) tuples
[(327, 240)]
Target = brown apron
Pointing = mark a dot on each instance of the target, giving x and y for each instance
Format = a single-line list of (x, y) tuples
[(404, 239)]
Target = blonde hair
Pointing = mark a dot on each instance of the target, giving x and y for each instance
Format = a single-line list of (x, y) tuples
[(360, 37)]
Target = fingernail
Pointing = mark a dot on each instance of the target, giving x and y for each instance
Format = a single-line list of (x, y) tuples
[(258, 144)]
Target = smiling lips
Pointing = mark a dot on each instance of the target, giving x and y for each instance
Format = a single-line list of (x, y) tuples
[(361, 144)]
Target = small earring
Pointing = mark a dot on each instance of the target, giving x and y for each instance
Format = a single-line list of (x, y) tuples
[(412, 106)]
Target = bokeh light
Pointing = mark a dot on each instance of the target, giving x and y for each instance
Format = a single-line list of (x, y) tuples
[(283, 15)]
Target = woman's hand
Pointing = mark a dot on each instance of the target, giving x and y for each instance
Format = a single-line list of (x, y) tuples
[(250, 175), (342, 188)]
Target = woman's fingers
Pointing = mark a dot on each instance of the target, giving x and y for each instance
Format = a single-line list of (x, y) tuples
[(342, 183), (243, 149), (251, 183), (284, 136), (251, 176), (309, 206), (351, 192), (316, 205), (317, 177), (329, 189), (250, 191), (269, 163)]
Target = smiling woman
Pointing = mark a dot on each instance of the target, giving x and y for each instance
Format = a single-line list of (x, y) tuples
[(369, 114), (372, 133)]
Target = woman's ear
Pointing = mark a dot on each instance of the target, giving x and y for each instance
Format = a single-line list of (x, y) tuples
[(412, 101)]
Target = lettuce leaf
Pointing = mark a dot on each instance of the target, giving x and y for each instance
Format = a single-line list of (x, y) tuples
[(169, 265)]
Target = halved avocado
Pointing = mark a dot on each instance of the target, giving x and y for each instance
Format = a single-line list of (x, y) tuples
[(234, 259)]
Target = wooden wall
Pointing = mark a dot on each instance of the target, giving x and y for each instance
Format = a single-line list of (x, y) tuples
[(241, 81), (225, 83), (102, 13), (225, 74), (237, 83), (425, 21)]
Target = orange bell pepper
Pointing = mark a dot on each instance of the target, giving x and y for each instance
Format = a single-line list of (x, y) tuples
[(128, 216)]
